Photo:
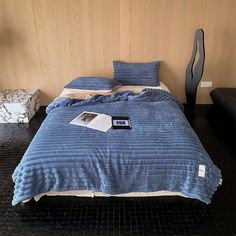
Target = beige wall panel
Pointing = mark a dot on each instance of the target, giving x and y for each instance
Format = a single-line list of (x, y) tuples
[(46, 43)]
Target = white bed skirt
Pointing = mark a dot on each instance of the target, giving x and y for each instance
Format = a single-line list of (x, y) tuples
[(89, 193)]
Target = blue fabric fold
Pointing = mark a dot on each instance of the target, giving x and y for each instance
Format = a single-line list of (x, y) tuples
[(147, 95)]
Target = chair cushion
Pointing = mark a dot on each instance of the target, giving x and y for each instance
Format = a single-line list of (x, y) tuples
[(225, 99)]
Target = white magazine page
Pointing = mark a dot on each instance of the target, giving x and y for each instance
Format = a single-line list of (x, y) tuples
[(101, 122), (93, 120)]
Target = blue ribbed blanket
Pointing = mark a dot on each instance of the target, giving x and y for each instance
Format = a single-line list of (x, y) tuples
[(160, 152)]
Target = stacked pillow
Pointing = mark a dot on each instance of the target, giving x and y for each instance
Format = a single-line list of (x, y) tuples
[(145, 74), (93, 83), (142, 74)]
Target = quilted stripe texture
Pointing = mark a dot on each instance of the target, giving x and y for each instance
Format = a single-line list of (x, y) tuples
[(160, 152), (146, 74), (92, 83)]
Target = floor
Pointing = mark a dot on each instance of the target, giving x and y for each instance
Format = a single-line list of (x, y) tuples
[(114, 216)]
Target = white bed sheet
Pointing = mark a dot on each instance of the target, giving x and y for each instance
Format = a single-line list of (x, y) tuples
[(89, 193), (86, 94)]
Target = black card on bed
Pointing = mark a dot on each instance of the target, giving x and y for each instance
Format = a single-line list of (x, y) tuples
[(121, 122)]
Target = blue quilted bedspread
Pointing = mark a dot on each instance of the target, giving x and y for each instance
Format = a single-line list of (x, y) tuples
[(160, 152)]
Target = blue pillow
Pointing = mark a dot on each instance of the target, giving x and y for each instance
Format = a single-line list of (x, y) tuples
[(146, 74), (92, 83)]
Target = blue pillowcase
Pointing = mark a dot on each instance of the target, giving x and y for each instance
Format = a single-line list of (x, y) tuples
[(146, 74), (92, 83)]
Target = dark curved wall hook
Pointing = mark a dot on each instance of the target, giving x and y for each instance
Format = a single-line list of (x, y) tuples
[(194, 71)]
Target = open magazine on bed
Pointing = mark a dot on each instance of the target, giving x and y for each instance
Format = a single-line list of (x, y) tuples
[(93, 120)]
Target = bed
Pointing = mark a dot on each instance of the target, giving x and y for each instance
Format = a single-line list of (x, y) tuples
[(160, 155)]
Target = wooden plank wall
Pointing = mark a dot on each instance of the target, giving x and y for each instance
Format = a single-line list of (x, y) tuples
[(46, 43)]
